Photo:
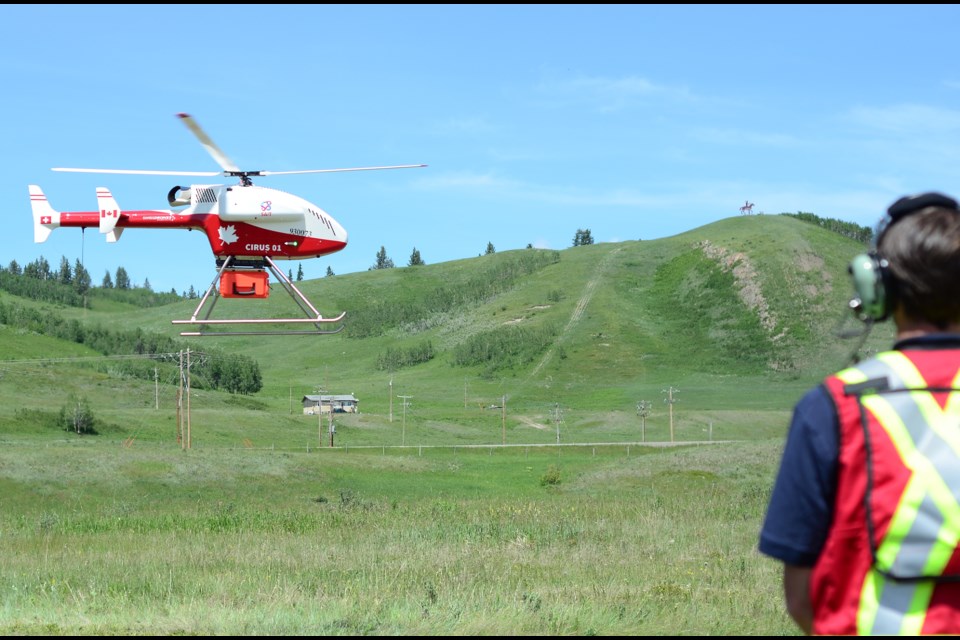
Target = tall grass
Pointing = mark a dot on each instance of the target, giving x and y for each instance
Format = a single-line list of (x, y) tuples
[(637, 540)]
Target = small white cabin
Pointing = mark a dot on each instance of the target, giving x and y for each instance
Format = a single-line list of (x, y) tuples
[(325, 404)]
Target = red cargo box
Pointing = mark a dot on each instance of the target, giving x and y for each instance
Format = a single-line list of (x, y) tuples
[(244, 284)]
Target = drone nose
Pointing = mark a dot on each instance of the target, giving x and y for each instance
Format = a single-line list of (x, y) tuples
[(339, 232)]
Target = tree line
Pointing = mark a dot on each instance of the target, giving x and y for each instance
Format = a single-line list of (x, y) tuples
[(397, 358), (383, 261), (378, 316), (70, 284), (846, 229), (213, 368), (504, 347)]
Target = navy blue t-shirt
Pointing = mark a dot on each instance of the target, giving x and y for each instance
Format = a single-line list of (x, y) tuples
[(801, 505)]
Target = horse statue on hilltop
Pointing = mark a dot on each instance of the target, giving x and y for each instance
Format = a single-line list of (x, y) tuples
[(747, 208)]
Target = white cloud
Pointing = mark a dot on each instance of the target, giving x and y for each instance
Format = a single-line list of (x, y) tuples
[(610, 94), (739, 137), (907, 119), (464, 179), (472, 125)]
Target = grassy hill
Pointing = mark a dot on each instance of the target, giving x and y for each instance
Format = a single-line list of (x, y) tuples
[(737, 318)]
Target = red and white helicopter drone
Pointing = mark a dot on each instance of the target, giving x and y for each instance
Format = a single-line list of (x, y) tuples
[(248, 227)]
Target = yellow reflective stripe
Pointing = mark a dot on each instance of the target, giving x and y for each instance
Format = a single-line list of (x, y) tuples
[(915, 616), (869, 602), (925, 480), (852, 376), (873, 582), (931, 409), (911, 621)]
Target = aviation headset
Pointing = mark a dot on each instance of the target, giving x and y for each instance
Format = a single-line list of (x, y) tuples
[(873, 283)]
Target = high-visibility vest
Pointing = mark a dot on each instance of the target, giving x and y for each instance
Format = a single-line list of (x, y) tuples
[(890, 563)]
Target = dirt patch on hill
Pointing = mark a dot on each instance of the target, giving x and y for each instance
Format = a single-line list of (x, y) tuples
[(807, 262), (745, 275)]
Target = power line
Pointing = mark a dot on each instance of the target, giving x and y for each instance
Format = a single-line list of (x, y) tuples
[(132, 356)]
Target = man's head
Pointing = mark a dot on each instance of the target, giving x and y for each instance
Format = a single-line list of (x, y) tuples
[(915, 263)]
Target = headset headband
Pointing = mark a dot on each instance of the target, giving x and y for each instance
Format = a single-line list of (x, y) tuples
[(873, 283), (911, 204)]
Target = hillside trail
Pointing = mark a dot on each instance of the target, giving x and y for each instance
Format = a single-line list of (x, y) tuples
[(599, 271), (532, 423)]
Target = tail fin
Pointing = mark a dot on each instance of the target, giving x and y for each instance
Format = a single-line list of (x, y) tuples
[(109, 214), (45, 219)]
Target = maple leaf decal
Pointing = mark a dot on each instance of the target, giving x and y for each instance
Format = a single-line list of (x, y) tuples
[(227, 234)]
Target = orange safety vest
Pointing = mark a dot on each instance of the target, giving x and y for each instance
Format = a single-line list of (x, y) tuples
[(890, 563)]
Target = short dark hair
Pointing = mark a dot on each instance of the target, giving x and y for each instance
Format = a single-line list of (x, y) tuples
[(923, 252)]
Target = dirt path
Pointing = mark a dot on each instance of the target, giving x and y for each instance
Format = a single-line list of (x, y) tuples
[(530, 423), (582, 303)]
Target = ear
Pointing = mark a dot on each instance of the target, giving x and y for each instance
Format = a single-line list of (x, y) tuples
[(870, 278)]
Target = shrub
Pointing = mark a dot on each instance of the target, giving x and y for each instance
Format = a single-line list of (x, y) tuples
[(551, 477), (76, 416)]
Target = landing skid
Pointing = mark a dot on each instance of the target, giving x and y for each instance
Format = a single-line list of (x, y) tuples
[(213, 294)]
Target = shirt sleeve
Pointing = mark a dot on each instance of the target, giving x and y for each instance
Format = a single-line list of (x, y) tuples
[(801, 504)]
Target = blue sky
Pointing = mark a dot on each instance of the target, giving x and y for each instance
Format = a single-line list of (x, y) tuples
[(636, 122)]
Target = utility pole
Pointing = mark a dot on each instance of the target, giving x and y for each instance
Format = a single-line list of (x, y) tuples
[(670, 391), (333, 429), (189, 435), (183, 413), (503, 420), (180, 403), (391, 400), (557, 418), (403, 436), (643, 410), (156, 388)]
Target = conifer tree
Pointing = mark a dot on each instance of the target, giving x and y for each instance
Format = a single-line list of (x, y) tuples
[(582, 237), (122, 280), (383, 261)]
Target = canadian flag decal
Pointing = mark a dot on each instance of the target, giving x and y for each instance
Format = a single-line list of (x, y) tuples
[(227, 234)]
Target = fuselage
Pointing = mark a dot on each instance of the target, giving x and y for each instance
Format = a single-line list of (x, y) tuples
[(240, 221)]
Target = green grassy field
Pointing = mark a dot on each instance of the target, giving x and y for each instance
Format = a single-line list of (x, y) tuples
[(101, 539), (518, 492)]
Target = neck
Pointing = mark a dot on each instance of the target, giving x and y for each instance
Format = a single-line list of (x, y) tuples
[(908, 327)]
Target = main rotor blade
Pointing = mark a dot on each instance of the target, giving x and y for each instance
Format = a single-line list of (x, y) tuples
[(212, 149), (144, 173), (399, 166)]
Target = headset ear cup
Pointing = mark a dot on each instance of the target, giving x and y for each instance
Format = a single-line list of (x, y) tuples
[(869, 283)]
